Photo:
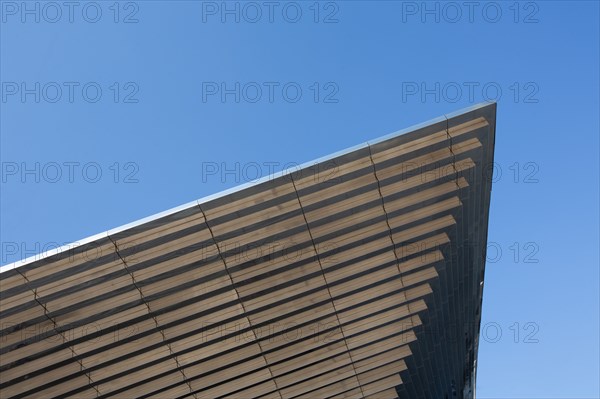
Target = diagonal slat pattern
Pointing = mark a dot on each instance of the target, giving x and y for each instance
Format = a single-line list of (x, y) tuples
[(338, 280)]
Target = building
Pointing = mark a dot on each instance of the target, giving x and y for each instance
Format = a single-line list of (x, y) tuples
[(358, 275)]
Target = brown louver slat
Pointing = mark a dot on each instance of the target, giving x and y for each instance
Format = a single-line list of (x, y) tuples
[(357, 276)]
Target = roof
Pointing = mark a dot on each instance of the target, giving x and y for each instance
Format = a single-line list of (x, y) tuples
[(356, 275)]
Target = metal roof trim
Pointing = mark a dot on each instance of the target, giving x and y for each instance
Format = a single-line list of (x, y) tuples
[(241, 187)]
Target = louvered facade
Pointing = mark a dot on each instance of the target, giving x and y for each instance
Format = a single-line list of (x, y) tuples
[(359, 275)]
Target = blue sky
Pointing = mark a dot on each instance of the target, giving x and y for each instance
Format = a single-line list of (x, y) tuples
[(111, 112)]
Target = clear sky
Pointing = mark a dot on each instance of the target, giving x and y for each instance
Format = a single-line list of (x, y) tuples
[(111, 112)]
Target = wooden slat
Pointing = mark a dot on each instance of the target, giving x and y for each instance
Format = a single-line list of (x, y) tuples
[(314, 284)]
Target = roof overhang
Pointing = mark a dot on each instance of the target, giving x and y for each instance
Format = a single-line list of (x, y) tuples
[(356, 275)]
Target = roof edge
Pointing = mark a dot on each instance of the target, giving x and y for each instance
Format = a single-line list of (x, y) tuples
[(198, 202)]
